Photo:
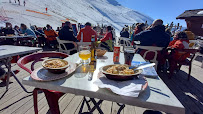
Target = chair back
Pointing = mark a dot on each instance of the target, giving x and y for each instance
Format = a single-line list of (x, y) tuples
[(149, 49), (62, 46), (125, 42), (36, 57), (185, 52)]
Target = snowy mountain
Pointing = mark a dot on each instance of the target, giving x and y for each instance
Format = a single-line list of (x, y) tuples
[(108, 12)]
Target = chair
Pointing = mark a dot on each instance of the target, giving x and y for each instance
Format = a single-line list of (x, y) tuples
[(62, 46), (176, 65), (51, 96), (124, 43), (150, 49)]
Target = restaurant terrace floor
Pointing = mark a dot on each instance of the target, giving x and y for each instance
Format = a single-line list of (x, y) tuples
[(189, 93)]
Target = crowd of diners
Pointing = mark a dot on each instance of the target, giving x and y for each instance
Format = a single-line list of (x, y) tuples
[(159, 35), (155, 34)]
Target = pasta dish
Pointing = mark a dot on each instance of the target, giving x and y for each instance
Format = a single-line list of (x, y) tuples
[(55, 63), (120, 69)]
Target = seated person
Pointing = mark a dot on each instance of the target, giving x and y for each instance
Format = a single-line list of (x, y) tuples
[(139, 28), (125, 33), (180, 42), (8, 30), (51, 36), (106, 41), (66, 33), (86, 33), (155, 36), (27, 31)]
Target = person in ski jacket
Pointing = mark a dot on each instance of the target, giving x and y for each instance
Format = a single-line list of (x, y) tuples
[(86, 33)]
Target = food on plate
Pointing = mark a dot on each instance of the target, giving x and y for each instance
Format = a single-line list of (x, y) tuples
[(120, 69), (9, 35), (55, 63), (100, 52)]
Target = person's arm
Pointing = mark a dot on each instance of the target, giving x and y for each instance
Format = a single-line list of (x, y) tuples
[(79, 36), (106, 36), (55, 34), (95, 36)]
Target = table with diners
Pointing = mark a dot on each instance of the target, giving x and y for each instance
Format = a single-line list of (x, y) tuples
[(18, 39), (156, 96)]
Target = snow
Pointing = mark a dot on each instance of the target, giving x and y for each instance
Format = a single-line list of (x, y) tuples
[(200, 12), (108, 12)]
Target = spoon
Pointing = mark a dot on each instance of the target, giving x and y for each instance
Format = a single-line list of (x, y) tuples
[(142, 66)]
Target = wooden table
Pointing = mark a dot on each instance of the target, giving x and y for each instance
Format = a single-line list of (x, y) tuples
[(6, 53), (157, 96)]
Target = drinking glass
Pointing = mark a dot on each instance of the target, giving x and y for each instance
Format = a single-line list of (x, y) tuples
[(84, 54), (128, 55)]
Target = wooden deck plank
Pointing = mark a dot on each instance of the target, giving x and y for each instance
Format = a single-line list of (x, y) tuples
[(85, 108), (177, 92), (72, 107), (129, 109), (45, 108), (65, 102), (26, 106), (115, 108), (191, 91), (14, 99), (106, 107), (41, 104)]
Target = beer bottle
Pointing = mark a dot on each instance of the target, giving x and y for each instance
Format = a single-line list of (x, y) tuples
[(93, 49)]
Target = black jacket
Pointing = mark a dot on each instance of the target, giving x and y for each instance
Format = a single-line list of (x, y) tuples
[(8, 31), (156, 36), (125, 34), (66, 33)]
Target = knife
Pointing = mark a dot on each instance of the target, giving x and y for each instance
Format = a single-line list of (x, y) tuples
[(92, 68)]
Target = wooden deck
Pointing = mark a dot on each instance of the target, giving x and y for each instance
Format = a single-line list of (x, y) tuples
[(190, 94)]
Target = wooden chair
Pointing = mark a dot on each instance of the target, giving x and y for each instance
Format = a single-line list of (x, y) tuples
[(62, 46), (51, 96), (179, 62), (150, 49)]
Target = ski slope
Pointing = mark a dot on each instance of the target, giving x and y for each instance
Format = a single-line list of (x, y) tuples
[(108, 12)]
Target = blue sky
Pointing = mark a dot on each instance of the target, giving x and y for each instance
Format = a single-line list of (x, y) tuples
[(167, 10)]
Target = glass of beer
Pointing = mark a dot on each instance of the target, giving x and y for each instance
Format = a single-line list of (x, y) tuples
[(84, 54)]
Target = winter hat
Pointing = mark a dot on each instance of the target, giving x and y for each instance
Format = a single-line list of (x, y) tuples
[(182, 35), (88, 24)]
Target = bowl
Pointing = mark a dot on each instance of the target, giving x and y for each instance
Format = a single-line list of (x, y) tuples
[(55, 70), (100, 52), (119, 77)]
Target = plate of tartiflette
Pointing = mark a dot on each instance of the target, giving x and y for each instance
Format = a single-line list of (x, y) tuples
[(120, 72)]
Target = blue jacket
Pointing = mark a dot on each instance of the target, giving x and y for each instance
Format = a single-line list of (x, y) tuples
[(155, 36), (29, 32)]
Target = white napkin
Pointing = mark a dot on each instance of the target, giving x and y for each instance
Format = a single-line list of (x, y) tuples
[(130, 88)]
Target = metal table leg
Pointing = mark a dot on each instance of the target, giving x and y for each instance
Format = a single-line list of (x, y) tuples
[(8, 66), (122, 106), (96, 106)]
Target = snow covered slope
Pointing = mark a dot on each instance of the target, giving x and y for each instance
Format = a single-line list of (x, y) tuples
[(95, 11)]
